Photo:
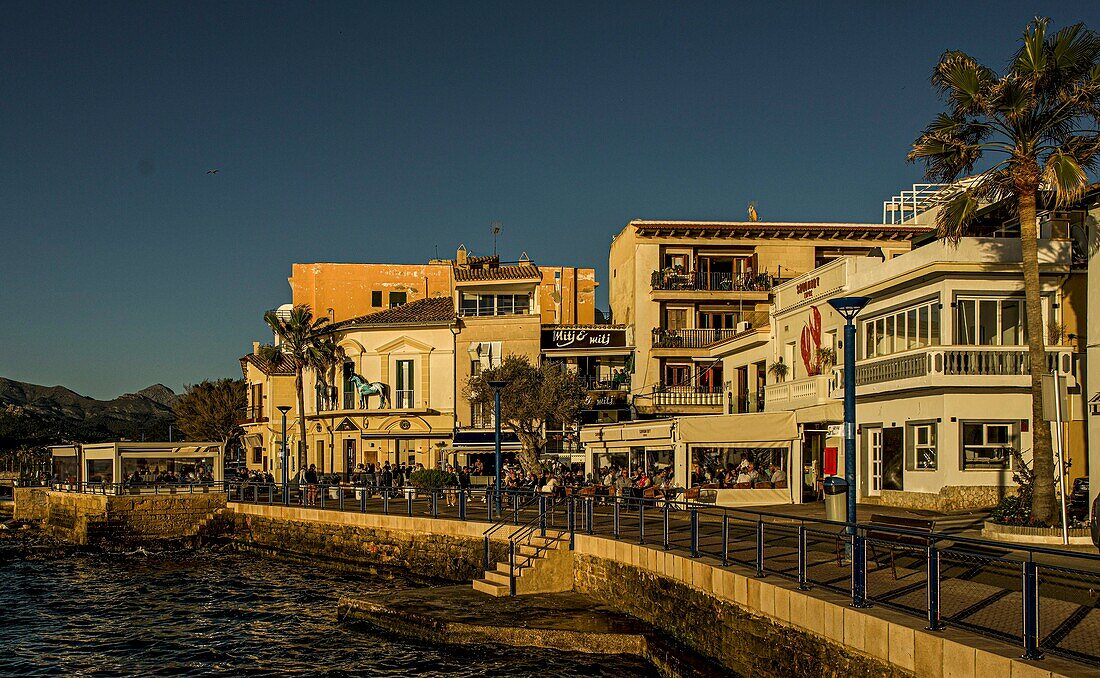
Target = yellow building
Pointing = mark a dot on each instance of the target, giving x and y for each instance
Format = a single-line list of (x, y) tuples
[(686, 286)]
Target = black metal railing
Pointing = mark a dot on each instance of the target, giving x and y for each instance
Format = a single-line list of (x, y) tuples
[(141, 488), (991, 588), (673, 280)]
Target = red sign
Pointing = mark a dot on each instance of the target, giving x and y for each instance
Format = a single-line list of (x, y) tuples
[(830, 461)]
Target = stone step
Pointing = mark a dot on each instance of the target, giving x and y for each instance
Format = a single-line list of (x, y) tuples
[(497, 576), (491, 588)]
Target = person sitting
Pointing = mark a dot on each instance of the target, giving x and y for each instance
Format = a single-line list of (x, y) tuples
[(777, 476), (748, 475)]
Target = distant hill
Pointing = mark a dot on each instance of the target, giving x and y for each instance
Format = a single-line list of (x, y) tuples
[(41, 415)]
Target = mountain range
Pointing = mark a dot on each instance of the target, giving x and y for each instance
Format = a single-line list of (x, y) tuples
[(41, 415)]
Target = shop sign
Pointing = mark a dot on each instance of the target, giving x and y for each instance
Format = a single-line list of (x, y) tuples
[(563, 338), (598, 400)]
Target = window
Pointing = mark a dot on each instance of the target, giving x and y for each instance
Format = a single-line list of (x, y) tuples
[(677, 375), (405, 390), (256, 404), (257, 455), (349, 387), (990, 322), (904, 330), (398, 299), (987, 446), (471, 304), (921, 448), (676, 318), (376, 298)]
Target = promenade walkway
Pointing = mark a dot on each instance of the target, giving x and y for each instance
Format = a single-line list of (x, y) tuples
[(951, 580)]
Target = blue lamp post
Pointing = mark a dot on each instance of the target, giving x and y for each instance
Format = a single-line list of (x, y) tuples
[(849, 308), (497, 386), (286, 497)]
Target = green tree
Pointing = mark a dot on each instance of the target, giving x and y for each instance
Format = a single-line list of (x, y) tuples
[(532, 397), (297, 341), (1039, 122), (210, 410)]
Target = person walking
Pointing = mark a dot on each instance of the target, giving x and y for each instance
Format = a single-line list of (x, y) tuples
[(311, 485)]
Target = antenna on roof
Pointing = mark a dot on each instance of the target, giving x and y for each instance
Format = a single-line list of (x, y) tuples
[(495, 228), (752, 211)]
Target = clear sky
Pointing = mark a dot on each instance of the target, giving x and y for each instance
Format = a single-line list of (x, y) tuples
[(380, 132)]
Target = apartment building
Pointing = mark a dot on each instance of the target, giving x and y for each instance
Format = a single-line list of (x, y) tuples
[(688, 287)]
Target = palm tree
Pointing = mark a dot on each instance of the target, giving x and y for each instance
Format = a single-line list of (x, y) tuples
[(297, 333), (1039, 120)]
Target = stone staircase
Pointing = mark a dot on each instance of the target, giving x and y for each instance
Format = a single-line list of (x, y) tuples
[(543, 565)]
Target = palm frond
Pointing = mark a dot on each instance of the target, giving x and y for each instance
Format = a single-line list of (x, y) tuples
[(1064, 177), (956, 214), (945, 157), (964, 80), (1031, 59), (1073, 50)]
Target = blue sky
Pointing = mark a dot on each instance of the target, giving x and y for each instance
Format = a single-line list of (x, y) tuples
[(380, 132)]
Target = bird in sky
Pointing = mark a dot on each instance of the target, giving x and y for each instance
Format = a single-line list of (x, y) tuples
[(211, 171)]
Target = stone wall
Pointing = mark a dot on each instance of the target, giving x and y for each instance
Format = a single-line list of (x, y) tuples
[(949, 498), (742, 642), (69, 515), (31, 503), (129, 519), (439, 549)]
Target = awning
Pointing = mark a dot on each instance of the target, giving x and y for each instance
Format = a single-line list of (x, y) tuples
[(252, 440), (760, 429), (820, 413), (484, 440)]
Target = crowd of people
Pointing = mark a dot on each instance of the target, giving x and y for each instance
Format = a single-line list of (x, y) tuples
[(199, 473), (743, 475)]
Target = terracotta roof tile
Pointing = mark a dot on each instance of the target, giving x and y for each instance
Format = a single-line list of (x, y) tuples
[(520, 272), (284, 367), (433, 310)]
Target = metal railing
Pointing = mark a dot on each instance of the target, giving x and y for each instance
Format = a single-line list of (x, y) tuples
[(141, 488), (671, 280), (991, 588), (687, 395), (704, 337)]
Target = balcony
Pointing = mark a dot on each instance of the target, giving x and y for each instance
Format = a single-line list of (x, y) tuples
[(955, 366), (799, 393), (697, 281), (704, 338), (614, 383), (679, 396)]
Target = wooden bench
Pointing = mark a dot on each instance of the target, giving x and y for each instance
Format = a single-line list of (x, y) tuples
[(894, 541)]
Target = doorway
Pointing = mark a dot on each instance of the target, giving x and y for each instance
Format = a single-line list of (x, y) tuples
[(349, 457), (893, 458), (874, 462)]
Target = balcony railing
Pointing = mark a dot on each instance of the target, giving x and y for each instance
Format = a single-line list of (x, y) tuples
[(702, 338), (799, 393), (957, 365), (687, 395), (711, 282), (617, 383)]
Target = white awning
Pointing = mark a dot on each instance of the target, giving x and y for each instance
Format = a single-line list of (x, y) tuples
[(759, 429)]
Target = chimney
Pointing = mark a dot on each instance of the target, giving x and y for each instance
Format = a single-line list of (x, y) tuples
[(255, 347), (460, 256)]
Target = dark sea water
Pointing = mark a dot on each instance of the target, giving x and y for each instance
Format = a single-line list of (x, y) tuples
[(224, 613)]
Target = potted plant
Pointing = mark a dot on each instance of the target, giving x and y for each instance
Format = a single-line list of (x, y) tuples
[(826, 358), (779, 369), (432, 480)]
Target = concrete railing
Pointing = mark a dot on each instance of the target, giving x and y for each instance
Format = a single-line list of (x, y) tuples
[(799, 393), (955, 366)]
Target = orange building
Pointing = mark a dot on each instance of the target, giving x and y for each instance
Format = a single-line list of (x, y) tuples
[(566, 295)]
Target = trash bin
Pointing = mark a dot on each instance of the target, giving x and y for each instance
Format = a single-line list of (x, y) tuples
[(836, 499)]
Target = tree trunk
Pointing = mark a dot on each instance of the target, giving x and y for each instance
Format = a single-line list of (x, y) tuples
[(301, 418), (528, 456), (1043, 500)]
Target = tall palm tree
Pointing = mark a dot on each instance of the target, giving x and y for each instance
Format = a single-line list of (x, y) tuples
[(1039, 120), (297, 332)]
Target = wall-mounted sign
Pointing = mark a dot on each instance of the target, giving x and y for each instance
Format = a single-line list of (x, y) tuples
[(806, 287), (564, 338), (601, 400)]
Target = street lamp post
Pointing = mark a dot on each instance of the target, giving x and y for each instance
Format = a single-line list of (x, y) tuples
[(497, 386), (849, 308), (286, 496)]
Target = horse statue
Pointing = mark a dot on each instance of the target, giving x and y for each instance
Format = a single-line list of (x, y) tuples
[(369, 388)]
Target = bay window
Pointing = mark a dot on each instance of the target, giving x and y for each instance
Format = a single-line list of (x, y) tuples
[(903, 330)]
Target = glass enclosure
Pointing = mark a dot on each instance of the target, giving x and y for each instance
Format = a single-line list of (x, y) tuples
[(64, 469), (99, 471), (139, 470), (739, 467)]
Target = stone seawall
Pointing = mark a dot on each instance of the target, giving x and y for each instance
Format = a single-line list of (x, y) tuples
[(30, 503), (130, 519), (440, 549)]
